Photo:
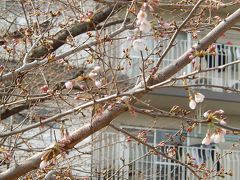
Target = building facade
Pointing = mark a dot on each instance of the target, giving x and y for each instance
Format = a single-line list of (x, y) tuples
[(109, 154)]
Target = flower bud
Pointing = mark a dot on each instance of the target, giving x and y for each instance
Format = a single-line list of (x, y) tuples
[(222, 122), (199, 97), (145, 26), (97, 68), (69, 84), (43, 164), (192, 104), (93, 75), (141, 15), (206, 141), (98, 84)]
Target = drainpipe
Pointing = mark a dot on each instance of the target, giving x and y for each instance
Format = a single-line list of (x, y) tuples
[(189, 45)]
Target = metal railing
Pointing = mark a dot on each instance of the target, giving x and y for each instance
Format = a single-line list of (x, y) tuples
[(115, 158), (225, 54)]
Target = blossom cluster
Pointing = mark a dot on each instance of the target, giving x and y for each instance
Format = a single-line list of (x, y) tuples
[(50, 156), (144, 26), (198, 98), (94, 75), (142, 22), (218, 135), (194, 53)]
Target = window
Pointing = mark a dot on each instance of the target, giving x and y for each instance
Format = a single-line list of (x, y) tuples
[(155, 136), (149, 166)]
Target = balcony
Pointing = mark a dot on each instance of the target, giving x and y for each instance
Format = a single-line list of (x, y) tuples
[(114, 158), (225, 54)]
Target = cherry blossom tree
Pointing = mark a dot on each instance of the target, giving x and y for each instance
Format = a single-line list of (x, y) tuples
[(63, 59)]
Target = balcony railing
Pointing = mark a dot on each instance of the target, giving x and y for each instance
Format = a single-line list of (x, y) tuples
[(114, 158), (225, 54)]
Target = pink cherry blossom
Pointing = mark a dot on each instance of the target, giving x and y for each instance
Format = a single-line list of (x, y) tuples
[(93, 75), (138, 22), (145, 26), (193, 61), (222, 122), (207, 140), (89, 13), (199, 97), (77, 97), (44, 89), (192, 104), (97, 68), (98, 84), (212, 48), (43, 164), (83, 87), (1, 67), (69, 84), (191, 56), (223, 131), (220, 111), (141, 15), (218, 137), (206, 114)]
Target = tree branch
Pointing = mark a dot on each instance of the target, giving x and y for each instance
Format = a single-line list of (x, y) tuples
[(109, 114), (75, 30)]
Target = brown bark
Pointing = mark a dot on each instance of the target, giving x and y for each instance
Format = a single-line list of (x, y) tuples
[(108, 115), (75, 30)]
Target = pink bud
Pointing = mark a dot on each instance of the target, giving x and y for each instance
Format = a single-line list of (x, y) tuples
[(98, 84), (49, 91), (1, 67), (212, 48), (44, 89), (222, 122), (145, 5), (141, 15), (191, 57), (138, 22), (90, 13), (206, 141), (216, 138), (145, 26), (82, 87), (199, 97), (110, 107), (206, 114), (192, 104), (93, 75), (77, 97), (218, 18), (223, 131), (135, 30), (43, 164), (221, 111), (69, 84)]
